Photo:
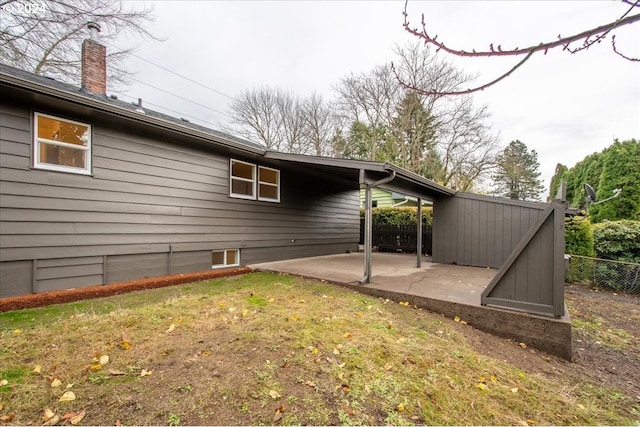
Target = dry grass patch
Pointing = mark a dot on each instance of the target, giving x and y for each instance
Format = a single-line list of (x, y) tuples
[(266, 349)]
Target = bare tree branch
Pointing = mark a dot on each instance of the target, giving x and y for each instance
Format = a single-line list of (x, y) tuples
[(589, 38)]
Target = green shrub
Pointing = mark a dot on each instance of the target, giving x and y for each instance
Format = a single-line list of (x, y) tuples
[(617, 240), (578, 237), (399, 216)]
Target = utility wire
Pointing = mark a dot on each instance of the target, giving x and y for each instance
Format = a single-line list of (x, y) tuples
[(175, 73)]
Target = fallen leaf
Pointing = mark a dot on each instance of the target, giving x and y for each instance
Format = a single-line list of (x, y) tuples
[(52, 421), (76, 419), (482, 386), (95, 367), (493, 379), (456, 319), (17, 331), (145, 373), (68, 396), (116, 372), (3, 382), (521, 375), (170, 329), (400, 407), (104, 359), (336, 351), (388, 367), (278, 415), (514, 390), (523, 345), (311, 384), (124, 345), (56, 383), (274, 395), (581, 406), (69, 385), (37, 369), (69, 415), (7, 418), (180, 320), (47, 414), (245, 312), (118, 423), (348, 335), (1, 406)]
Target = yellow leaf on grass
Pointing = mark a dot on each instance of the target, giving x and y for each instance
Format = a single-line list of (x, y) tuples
[(245, 312), (494, 379), (95, 367), (116, 372), (482, 386), (125, 345), (456, 319), (310, 384), (348, 335), (514, 390), (274, 395), (104, 359), (48, 414), (68, 396), (3, 382), (521, 375), (145, 373), (56, 383), (523, 345), (37, 369), (78, 417), (170, 329), (17, 331), (388, 367), (400, 407), (52, 421)]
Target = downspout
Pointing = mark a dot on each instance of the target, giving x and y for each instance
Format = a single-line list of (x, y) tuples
[(368, 220)]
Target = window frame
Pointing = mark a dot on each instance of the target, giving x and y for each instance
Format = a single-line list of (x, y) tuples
[(253, 180), (225, 258), (276, 185), (37, 140)]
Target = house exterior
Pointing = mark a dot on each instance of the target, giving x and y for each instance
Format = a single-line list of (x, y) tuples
[(94, 190), (383, 198)]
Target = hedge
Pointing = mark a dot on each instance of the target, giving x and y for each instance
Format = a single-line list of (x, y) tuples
[(617, 240), (578, 238), (399, 216)]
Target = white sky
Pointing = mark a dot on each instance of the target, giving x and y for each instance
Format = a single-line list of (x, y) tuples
[(564, 106)]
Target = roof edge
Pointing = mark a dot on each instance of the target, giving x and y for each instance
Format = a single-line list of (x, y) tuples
[(113, 109)]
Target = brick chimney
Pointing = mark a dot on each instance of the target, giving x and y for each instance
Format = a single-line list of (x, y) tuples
[(94, 63)]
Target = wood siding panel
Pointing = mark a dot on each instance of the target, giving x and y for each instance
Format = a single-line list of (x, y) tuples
[(15, 278), (478, 230), (144, 197)]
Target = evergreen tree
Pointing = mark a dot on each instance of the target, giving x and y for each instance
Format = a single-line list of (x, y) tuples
[(517, 175)]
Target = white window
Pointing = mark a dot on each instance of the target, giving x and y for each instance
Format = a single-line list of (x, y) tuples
[(225, 258), (242, 180), (268, 184), (248, 181), (61, 144)]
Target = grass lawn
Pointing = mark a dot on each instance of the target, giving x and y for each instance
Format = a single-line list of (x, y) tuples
[(265, 349)]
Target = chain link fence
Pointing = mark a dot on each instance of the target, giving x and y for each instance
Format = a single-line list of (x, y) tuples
[(604, 273)]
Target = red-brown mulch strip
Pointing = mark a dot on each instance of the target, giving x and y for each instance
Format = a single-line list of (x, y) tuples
[(77, 294)]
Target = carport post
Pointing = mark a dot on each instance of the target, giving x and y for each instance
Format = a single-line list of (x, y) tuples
[(368, 220), (419, 251)]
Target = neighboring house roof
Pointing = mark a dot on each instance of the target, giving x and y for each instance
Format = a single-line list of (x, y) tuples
[(405, 182)]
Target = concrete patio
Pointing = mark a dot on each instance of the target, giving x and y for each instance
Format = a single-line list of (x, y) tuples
[(451, 290)]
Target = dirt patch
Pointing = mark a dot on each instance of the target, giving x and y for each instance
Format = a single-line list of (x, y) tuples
[(606, 342), (78, 294)]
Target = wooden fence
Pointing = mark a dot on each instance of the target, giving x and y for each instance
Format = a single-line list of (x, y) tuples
[(399, 238)]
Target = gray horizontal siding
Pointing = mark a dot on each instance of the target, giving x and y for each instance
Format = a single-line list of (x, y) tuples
[(145, 198)]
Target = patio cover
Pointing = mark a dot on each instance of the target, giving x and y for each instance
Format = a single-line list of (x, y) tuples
[(369, 175)]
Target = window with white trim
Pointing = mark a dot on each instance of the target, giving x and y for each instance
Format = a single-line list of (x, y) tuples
[(249, 181), (225, 258), (268, 184), (61, 145), (242, 179)]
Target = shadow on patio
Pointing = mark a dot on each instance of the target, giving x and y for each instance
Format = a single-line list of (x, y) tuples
[(451, 290)]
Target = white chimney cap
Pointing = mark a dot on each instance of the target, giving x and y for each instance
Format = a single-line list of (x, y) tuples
[(94, 27)]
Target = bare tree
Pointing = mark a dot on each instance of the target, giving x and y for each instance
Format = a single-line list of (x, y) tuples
[(467, 148), (588, 38), (320, 125), (284, 122), (44, 37)]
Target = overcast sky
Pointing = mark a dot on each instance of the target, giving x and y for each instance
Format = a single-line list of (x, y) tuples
[(564, 106)]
